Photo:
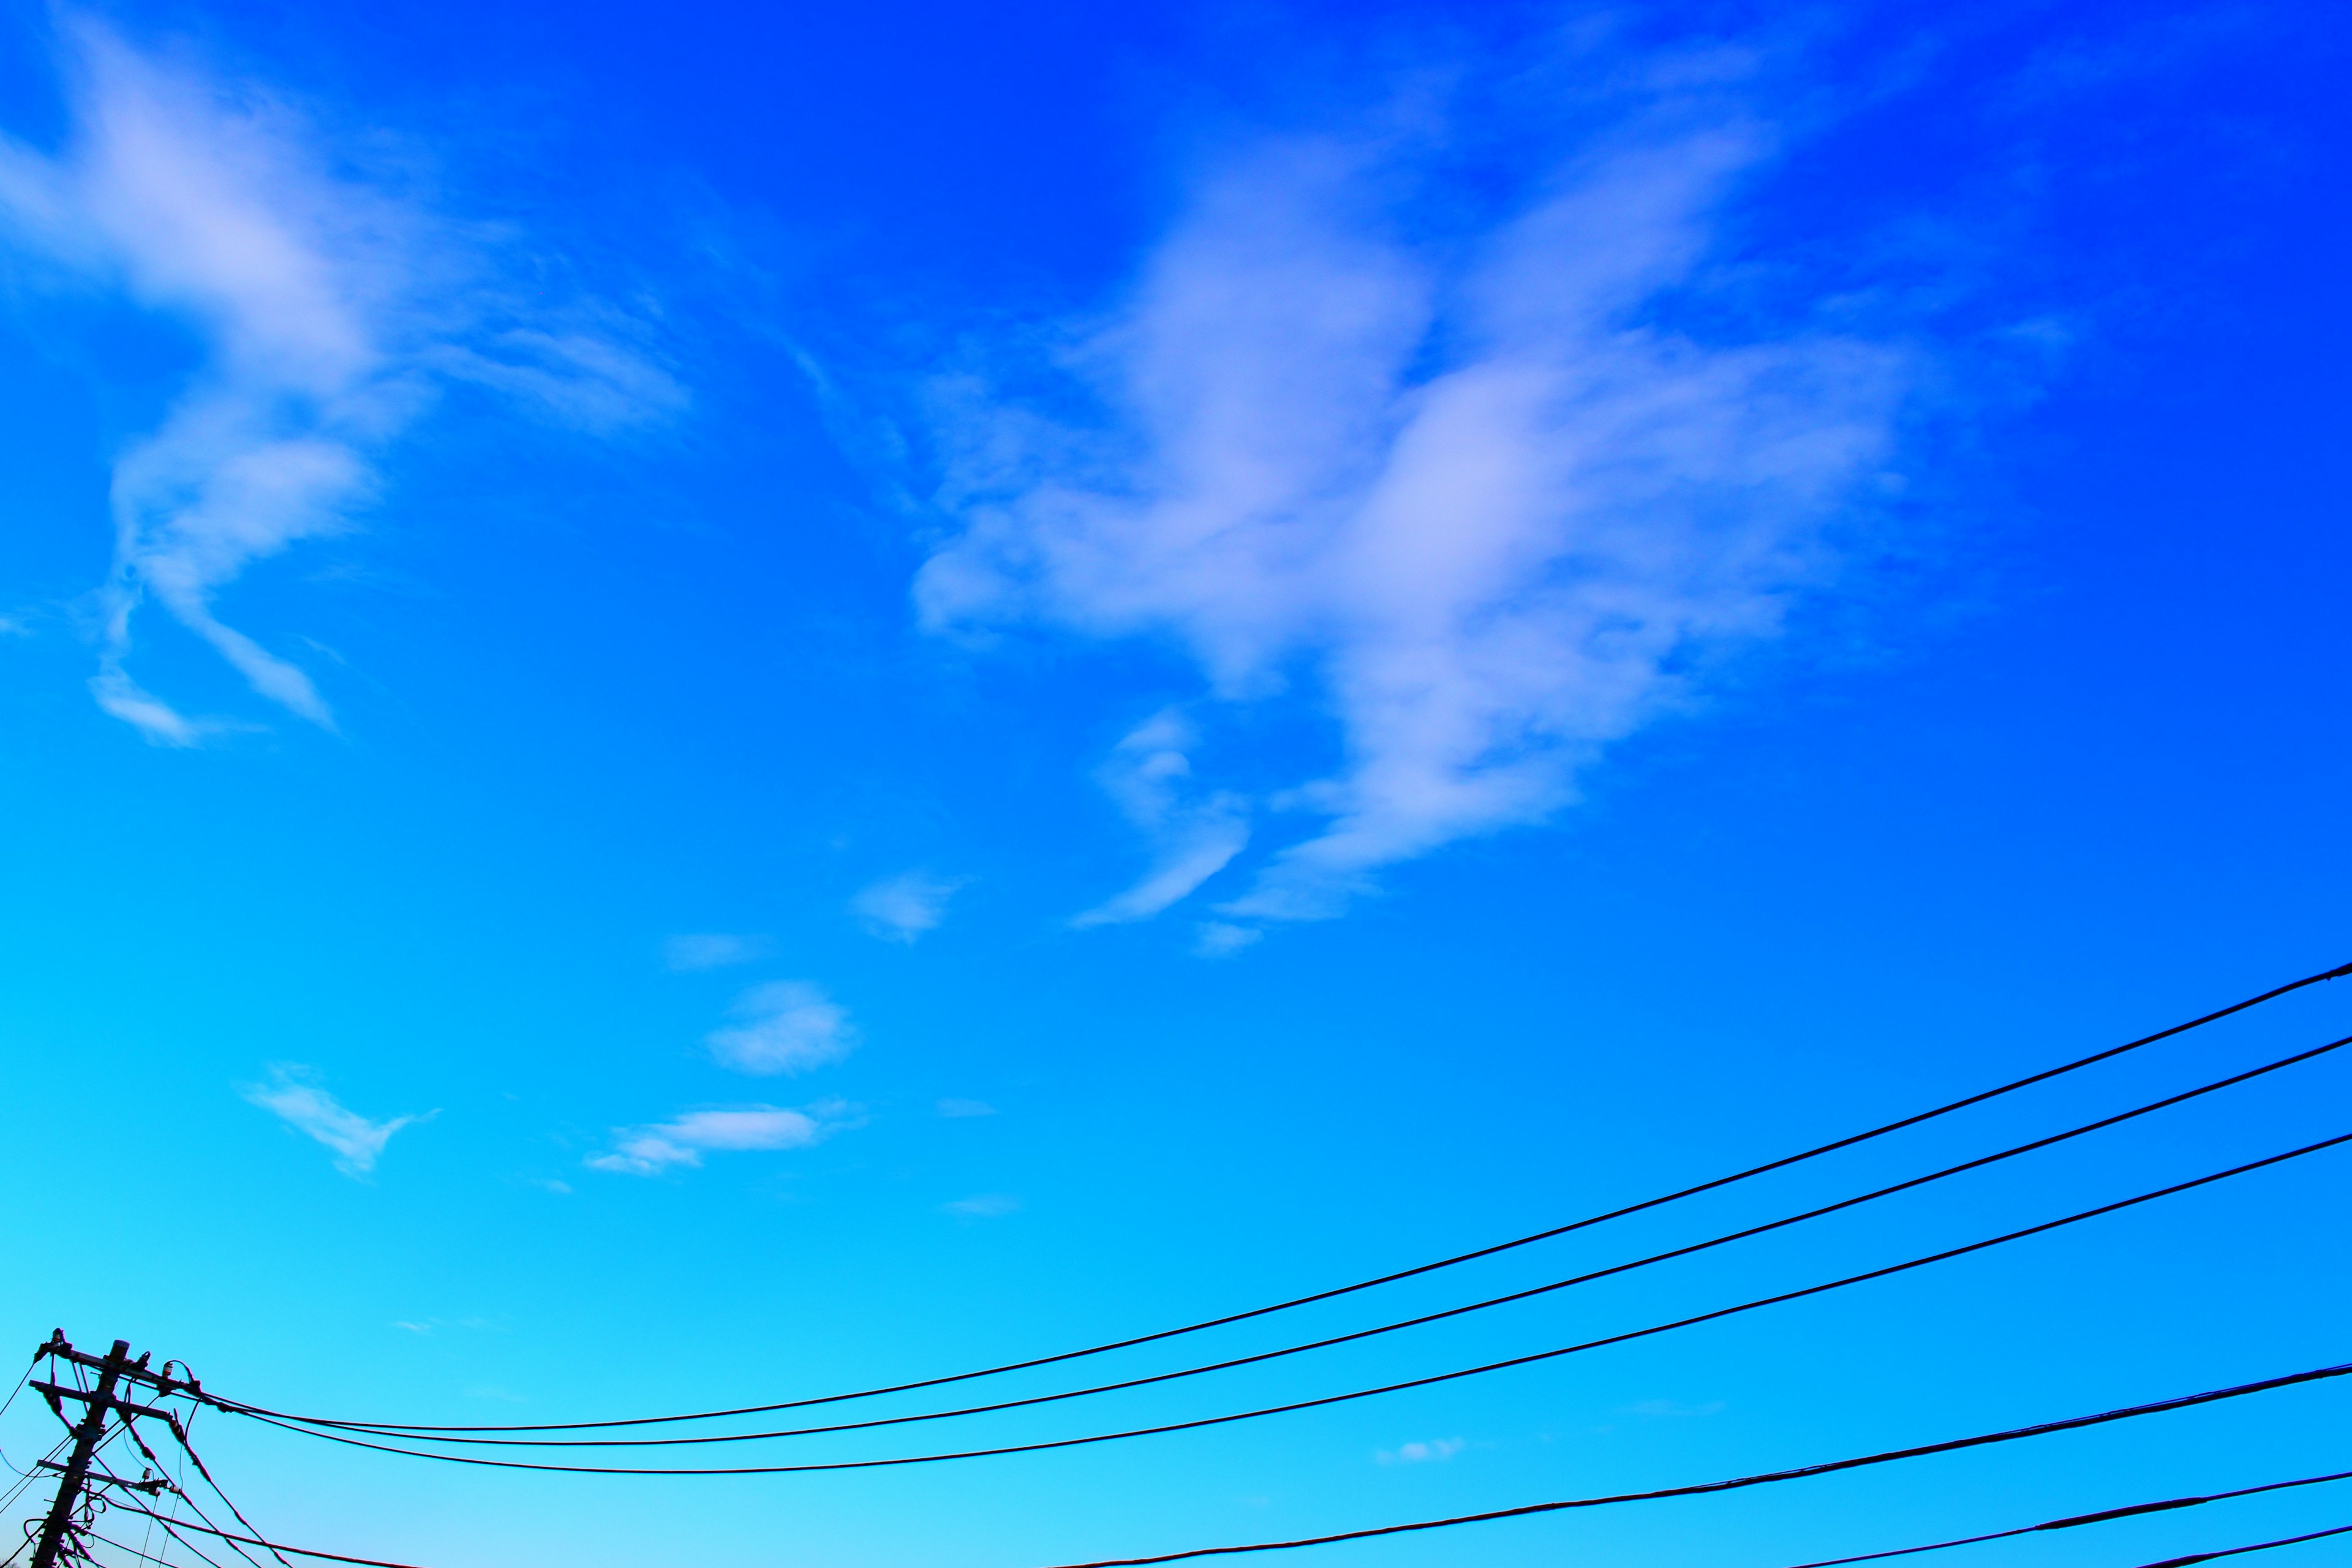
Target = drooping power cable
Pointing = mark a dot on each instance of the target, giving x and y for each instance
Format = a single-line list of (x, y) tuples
[(2074, 1521), (1353, 1394), (412, 1429), (2257, 1546), (1532, 1292), (1736, 1483)]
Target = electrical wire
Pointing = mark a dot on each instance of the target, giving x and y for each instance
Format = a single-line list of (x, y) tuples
[(180, 1481), (1354, 1394), (25, 1377), (180, 1434), (25, 1477), (298, 1551), (415, 1429), (135, 1552), (193, 1507), (1426, 1318), (104, 1437), (2073, 1521), (20, 1546), (129, 1428), (2257, 1546), (1739, 1483), (155, 1519), (1736, 1483), (172, 1528)]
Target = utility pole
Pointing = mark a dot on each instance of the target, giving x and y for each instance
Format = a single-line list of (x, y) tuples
[(85, 1437), (113, 1369)]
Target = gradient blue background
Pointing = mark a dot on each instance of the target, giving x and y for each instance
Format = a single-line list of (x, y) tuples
[(2061, 759)]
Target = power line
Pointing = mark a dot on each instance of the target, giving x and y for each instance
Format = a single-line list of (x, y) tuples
[(135, 1552), (1739, 1483), (413, 1429), (152, 1521), (1336, 1398), (21, 1381), (280, 1546), (1955, 1445), (2075, 1520), (180, 1433), (1426, 1318), (2257, 1546), (172, 1528)]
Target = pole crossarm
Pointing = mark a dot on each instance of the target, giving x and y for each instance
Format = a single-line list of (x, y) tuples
[(54, 1391), (56, 1345), (153, 1487)]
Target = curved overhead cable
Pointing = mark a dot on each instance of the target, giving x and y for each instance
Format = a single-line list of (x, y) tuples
[(1739, 1483), (2074, 1521), (2257, 1546), (1768, 1477), (1330, 1398), (1526, 1294), (413, 1429)]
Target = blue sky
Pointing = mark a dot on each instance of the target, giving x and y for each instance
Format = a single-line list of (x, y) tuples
[(719, 704)]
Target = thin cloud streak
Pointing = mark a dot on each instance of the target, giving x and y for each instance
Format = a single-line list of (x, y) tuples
[(331, 312), (1480, 489), (1198, 832), (696, 951), (983, 1205), (1437, 1451), (904, 908), (681, 1143), (294, 1095)]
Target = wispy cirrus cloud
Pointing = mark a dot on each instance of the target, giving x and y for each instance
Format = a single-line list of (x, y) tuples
[(903, 908), (332, 306), (681, 1143), (714, 950), (787, 1027), (1495, 484), (294, 1094), (983, 1205), (1198, 831), (1435, 1451)]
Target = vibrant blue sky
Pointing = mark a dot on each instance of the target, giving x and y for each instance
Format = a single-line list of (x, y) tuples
[(1172, 654)]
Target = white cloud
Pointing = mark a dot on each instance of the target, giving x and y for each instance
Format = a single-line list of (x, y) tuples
[(789, 1026), (984, 1205), (331, 308), (648, 1150), (1198, 832), (1435, 1451), (293, 1095), (902, 908), (1220, 939), (714, 950), (953, 1108), (1480, 487)]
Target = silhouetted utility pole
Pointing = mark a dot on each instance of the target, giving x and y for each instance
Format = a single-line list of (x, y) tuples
[(113, 1370)]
